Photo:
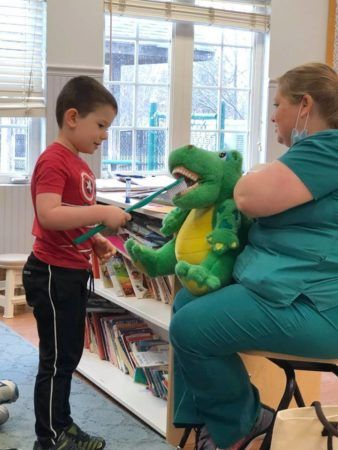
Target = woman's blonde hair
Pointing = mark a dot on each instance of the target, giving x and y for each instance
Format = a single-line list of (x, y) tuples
[(315, 79)]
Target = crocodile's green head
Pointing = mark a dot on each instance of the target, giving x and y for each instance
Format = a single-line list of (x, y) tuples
[(210, 176)]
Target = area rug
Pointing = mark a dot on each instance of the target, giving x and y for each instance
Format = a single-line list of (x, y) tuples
[(91, 409)]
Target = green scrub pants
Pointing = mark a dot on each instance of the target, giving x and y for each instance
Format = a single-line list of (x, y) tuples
[(211, 384)]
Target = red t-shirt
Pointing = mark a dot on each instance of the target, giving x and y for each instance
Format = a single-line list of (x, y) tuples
[(60, 171)]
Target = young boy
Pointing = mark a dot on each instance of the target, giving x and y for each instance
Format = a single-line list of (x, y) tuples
[(56, 273)]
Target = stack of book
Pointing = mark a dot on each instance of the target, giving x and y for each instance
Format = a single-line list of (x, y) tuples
[(129, 344), (120, 274)]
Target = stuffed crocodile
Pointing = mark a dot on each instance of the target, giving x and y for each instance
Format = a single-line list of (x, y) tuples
[(208, 231)]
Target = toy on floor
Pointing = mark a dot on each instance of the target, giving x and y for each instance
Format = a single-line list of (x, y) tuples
[(208, 231), (9, 393)]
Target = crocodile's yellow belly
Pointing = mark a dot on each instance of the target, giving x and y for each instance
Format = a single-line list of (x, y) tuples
[(191, 243)]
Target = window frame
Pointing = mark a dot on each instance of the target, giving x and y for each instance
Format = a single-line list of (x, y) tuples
[(181, 84), (26, 100)]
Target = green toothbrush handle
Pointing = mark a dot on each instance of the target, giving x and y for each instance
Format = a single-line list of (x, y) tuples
[(84, 237), (143, 202)]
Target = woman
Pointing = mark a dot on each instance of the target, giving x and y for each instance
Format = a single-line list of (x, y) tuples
[(284, 298)]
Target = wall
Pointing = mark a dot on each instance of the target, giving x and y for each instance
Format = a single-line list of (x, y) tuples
[(75, 45), (74, 49), (16, 219), (298, 35)]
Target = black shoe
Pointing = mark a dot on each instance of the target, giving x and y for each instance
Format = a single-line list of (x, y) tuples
[(63, 443), (84, 440), (205, 442)]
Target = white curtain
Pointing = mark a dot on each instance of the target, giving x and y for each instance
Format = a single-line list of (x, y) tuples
[(22, 57), (243, 14)]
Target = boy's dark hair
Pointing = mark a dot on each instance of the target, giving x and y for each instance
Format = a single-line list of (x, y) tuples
[(84, 94)]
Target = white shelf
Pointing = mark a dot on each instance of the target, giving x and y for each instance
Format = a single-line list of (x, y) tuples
[(134, 396), (153, 311), (121, 387)]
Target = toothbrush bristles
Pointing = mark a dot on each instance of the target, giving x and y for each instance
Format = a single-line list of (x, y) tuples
[(180, 186)]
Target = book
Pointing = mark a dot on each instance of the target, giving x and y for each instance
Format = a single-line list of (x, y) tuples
[(163, 289), (105, 277), (107, 325), (117, 269), (124, 328), (114, 281), (151, 358), (118, 243), (152, 344), (96, 303), (98, 334), (138, 280), (87, 334), (95, 266)]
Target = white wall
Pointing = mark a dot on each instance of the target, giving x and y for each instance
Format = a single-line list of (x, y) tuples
[(75, 36), (298, 35), (75, 33)]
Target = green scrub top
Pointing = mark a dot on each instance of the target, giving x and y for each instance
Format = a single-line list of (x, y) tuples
[(296, 252)]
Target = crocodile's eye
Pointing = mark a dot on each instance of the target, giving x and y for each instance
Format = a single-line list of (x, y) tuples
[(222, 155)]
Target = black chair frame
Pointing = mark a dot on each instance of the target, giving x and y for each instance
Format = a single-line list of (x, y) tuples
[(291, 391)]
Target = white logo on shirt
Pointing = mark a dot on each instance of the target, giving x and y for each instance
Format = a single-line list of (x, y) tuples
[(87, 186)]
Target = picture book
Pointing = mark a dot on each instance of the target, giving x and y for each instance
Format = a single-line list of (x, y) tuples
[(151, 359), (138, 280), (117, 269), (105, 277)]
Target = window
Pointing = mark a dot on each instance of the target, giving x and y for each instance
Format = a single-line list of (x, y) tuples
[(22, 73), (137, 72), (183, 80), (222, 80)]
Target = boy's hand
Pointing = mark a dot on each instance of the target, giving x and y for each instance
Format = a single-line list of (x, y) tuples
[(103, 248), (115, 217)]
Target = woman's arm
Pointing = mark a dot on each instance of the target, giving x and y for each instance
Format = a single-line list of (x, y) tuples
[(270, 190)]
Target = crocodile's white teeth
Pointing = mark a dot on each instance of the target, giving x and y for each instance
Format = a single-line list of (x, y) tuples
[(190, 188), (190, 177)]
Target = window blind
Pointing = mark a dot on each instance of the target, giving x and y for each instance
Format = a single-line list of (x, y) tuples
[(22, 57), (242, 14)]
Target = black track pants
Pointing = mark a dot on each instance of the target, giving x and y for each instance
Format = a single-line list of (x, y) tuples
[(58, 296)]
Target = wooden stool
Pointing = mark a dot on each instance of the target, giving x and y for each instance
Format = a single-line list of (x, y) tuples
[(12, 264)]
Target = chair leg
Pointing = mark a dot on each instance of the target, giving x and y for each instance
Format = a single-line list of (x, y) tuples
[(184, 438), (298, 396), (289, 392)]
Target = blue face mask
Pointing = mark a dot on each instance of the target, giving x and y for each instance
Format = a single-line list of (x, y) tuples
[(297, 135)]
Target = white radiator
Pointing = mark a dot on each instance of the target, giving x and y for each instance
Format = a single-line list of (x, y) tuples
[(16, 219)]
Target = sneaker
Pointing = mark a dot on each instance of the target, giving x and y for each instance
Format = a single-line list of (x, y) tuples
[(9, 391), (4, 414), (205, 442), (63, 443), (84, 440)]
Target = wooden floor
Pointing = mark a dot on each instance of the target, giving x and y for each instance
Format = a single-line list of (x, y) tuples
[(23, 323)]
